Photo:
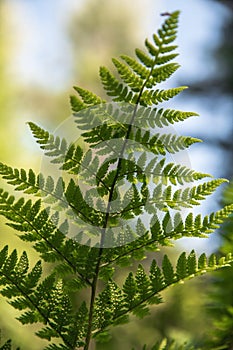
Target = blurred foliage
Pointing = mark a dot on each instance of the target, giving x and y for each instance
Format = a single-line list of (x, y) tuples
[(7, 87), (221, 290), (18, 103), (220, 85), (99, 30)]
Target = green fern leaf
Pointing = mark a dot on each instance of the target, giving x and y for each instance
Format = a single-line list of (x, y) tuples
[(127, 76), (114, 88), (143, 282), (137, 67), (156, 277), (144, 58), (154, 117), (76, 104), (167, 270), (164, 72), (150, 97), (192, 263), (181, 267), (89, 98)]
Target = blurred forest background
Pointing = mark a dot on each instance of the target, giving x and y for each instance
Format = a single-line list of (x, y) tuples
[(46, 47)]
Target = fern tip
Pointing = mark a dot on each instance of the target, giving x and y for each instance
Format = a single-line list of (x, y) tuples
[(222, 180)]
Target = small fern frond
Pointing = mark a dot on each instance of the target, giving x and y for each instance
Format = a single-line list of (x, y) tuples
[(173, 173), (190, 196), (160, 234), (136, 66), (150, 97), (114, 88), (160, 143), (88, 97), (191, 226), (142, 290), (157, 171), (30, 183), (163, 72), (44, 301), (154, 117), (26, 182), (69, 155), (152, 68), (35, 225), (55, 194), (144, 58), (163, 199), (53, 146)]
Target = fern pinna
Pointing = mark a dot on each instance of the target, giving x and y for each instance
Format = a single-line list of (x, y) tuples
[(116, 197)]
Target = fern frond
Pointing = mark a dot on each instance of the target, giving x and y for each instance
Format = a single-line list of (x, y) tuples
[(166, 58), (53, 193), (44, 301), (160, 234), (159, 171), (188, 197), (163, 72), (35, 225), (109, 184), (191, 226), (160, 143), (142, 290), (69, 155), (173, 173), (150, 97), (154, 117), (135, 77), (31, 183), (163, 199)]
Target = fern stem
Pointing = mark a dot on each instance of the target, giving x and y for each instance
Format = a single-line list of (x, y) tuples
[(92, 303), (111, 192), (95, 280)]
